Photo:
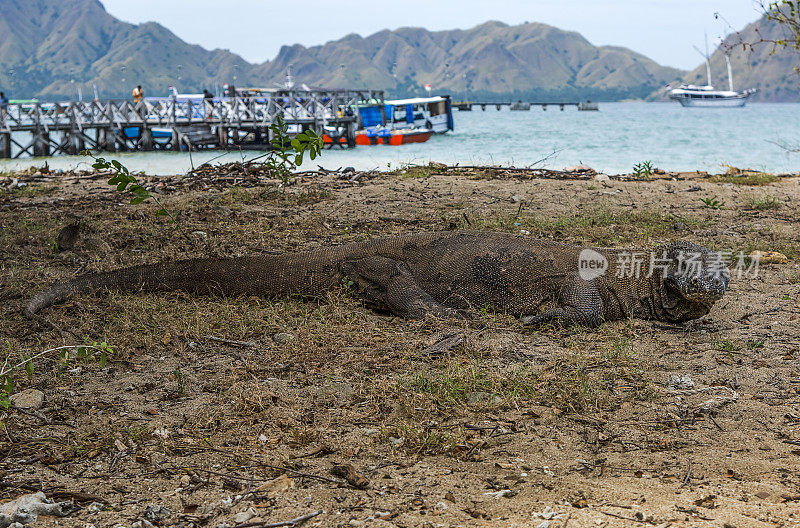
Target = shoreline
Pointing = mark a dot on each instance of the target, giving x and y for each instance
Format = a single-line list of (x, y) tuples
[(578, 172)]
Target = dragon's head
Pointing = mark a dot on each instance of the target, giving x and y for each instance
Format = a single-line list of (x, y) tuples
[(693, 278)]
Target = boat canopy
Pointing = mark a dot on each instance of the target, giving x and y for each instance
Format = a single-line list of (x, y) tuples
[(416, 100), (371, 116)]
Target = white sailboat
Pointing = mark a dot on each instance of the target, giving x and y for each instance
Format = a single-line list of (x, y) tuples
[(707, 96)]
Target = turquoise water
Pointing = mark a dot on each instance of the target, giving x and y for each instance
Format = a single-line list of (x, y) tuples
[(611, 140)]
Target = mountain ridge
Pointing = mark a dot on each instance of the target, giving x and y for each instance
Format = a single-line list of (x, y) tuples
[(56, 49)]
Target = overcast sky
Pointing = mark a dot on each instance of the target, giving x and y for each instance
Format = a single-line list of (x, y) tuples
[(664, 30)]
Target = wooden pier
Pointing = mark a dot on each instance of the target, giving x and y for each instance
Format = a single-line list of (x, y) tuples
[(176, 123), (466, 106)]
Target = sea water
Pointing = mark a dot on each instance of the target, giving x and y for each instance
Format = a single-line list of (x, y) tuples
[(759, 136)]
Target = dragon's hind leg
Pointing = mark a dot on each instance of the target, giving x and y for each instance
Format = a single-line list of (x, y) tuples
[(388, 285)]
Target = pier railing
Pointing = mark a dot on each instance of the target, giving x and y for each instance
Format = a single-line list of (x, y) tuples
[(42, 129)]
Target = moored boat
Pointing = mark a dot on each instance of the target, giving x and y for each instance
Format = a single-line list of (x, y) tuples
[(432, 113), (386, 136), (690, 95)]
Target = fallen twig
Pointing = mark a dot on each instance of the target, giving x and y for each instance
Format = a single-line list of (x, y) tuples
[(293, 522), (688, 477), (632, 519), (250, 344)]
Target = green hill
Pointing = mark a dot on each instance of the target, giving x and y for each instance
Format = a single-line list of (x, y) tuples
[(54, 48), (49, 43), (533, 60)]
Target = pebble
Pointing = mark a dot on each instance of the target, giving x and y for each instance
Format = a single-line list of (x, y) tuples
[(282, 337), (29, 399), (683, 382), (577, 168), (243, 517), (156, 513), (502, 493)]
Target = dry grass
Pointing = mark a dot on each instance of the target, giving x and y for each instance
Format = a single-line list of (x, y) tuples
[(355, 387)]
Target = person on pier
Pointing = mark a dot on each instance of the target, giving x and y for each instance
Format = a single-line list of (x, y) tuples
[(138, 94)]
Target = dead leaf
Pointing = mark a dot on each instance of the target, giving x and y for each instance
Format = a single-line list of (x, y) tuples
[(477, 513), (277, 485), (444, 344), (769, 257), (351, 475), (707, 502)]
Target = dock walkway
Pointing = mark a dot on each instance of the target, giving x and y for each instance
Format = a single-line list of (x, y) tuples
[(175, 123)]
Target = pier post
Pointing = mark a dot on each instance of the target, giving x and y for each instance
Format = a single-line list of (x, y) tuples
[(105, 140), (75, 142), (146, 142), (222, 133), (176, 140), (5, 145), (41, 143), (498, 107), (351, 134)]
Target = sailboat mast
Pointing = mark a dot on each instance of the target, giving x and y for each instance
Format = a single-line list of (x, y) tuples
[(730, 72), (708, 61)]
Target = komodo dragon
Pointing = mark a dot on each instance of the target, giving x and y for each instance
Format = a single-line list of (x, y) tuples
[(445, 273)]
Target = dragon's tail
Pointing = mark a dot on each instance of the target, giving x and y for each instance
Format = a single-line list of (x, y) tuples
[(264, 275)]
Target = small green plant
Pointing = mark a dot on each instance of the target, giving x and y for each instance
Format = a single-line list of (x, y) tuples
[(179, 378), (726, 345), (287, 152), (643, 169), (712, 203), (66, 353), (126, 183), (762, 203), (752, 344)]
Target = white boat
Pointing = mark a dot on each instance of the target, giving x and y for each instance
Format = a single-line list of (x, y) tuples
[(707, 96), (433, 113)]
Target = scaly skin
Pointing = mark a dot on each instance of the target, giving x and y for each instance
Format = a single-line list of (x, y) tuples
[(442, 274)]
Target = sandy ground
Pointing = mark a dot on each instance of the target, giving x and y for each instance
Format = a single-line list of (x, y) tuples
[(274, 409)]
